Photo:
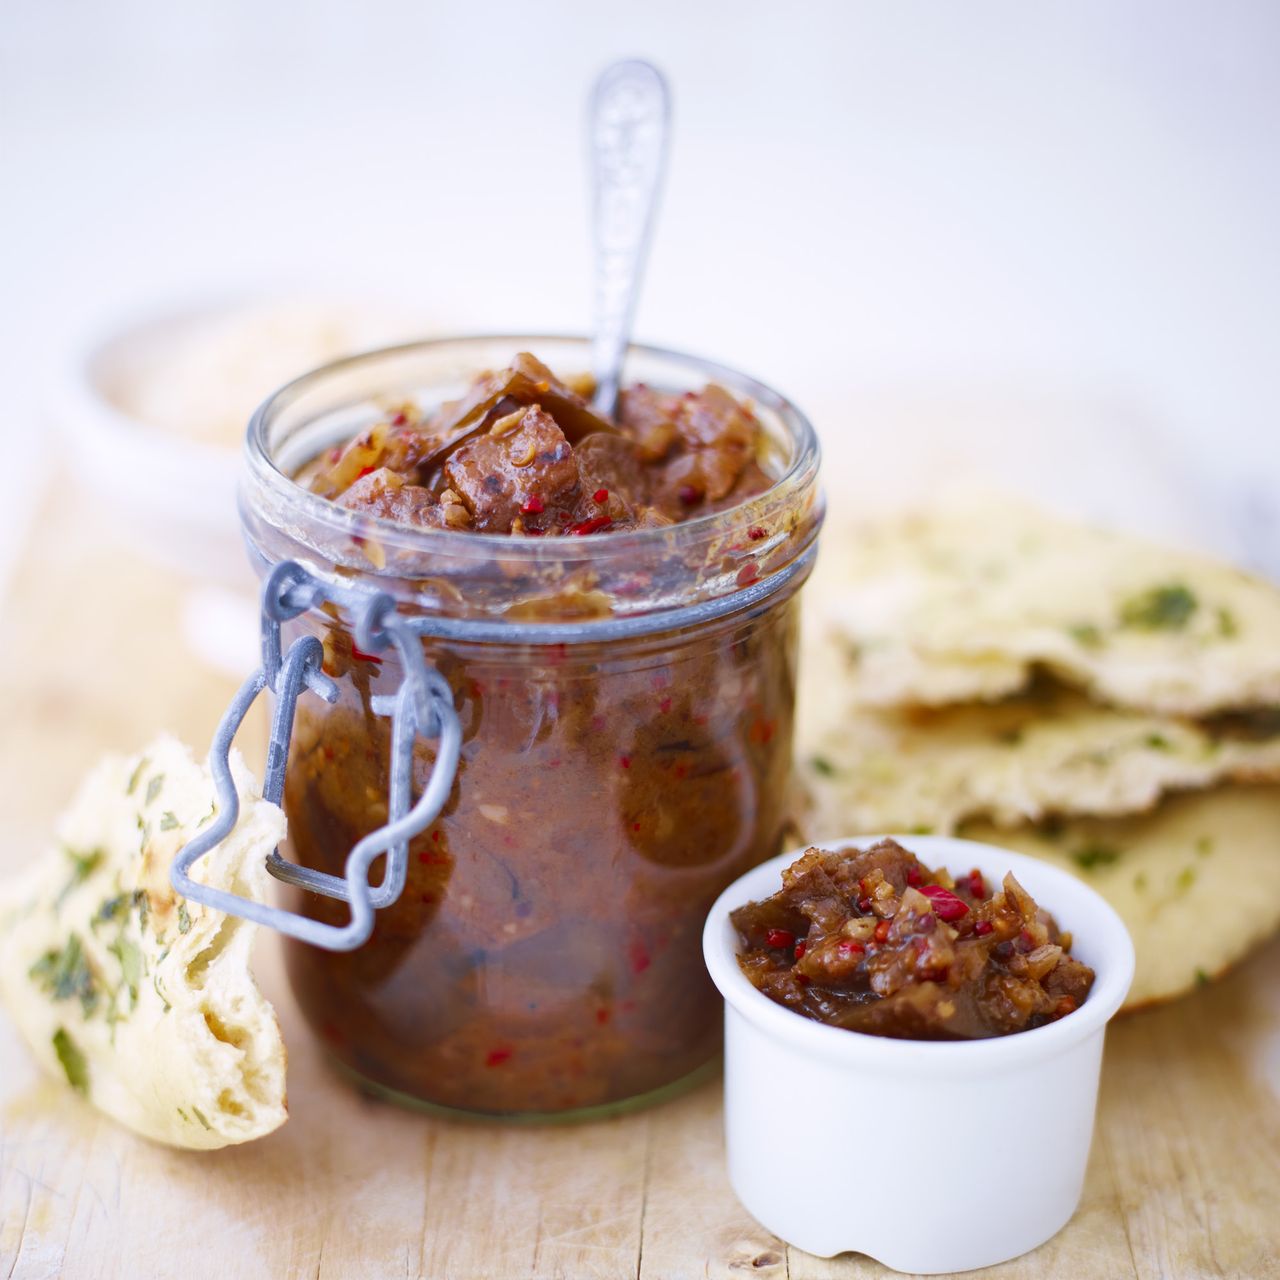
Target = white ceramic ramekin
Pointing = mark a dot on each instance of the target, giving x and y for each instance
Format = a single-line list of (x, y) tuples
[(927, 1156)]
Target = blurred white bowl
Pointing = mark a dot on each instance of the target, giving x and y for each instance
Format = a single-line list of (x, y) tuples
[(175, 497), (153, 407)]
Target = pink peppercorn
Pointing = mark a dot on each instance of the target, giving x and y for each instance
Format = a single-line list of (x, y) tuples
[(946, 906)]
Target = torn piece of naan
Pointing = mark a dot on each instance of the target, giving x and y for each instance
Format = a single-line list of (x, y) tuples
[(1197, 880), (965, 603), (142, 1001), (1050, 751)]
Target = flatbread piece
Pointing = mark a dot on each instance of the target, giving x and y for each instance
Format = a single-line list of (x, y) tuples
[(964, 602), (141, 1001), (1197, 881), (1020, 760)]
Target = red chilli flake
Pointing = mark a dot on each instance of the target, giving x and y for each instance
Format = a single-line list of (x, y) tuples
[(533, 505), (625, 761), (747, 575), (977, 885), (688, 494), (594, 525), (638, 956), (864, 904), (946, 906), (983, 927), (801, 948), (914, 877), (755, 533), (780, 938), (882, 932), (400, 419), (360, 656), (848, 947), (600, 497), (496, 1057)]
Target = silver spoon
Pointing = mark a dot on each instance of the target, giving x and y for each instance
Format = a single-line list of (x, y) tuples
[(629, 116)]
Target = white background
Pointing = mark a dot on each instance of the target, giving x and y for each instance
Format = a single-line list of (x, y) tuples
[(935, 225)]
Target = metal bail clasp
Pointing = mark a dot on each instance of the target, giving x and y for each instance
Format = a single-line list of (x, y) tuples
[(423, 705)]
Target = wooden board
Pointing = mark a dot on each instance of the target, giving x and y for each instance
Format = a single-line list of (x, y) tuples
[(1184, 1180)]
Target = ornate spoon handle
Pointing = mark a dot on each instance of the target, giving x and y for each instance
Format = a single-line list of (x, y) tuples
[(628, 123)]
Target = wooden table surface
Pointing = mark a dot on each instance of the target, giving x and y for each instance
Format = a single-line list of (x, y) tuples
[(1184, 1179)]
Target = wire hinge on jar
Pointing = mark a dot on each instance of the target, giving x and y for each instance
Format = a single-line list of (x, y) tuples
[(422, 706)]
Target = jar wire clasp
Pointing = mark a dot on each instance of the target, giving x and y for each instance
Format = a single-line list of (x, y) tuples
[(422, 706)]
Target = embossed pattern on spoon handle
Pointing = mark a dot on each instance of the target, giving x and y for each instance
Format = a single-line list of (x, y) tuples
[(628, 124)]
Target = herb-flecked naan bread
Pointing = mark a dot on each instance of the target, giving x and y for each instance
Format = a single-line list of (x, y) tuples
[(1197, 881), (965, 602), (142, 1001), (1050, 751)]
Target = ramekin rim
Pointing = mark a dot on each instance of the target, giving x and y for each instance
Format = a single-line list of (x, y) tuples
[(940, 1058)]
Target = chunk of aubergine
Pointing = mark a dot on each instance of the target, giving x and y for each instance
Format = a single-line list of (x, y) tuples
[(523, 461), (527, 382)]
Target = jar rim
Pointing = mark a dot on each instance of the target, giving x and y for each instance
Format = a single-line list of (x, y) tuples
[(802, 465)]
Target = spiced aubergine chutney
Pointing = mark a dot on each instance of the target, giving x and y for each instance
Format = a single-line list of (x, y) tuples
[(874, 941), (523, 453)]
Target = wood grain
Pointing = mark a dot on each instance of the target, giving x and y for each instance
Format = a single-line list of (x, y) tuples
[(1184, 1180)]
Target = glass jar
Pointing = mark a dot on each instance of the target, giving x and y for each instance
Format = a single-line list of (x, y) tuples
[(626, 706)]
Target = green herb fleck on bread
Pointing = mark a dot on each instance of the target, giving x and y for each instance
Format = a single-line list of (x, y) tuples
[(72, 1060), (1164, 608)]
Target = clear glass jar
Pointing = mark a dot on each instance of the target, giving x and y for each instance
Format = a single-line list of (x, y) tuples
[(626, 703)]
